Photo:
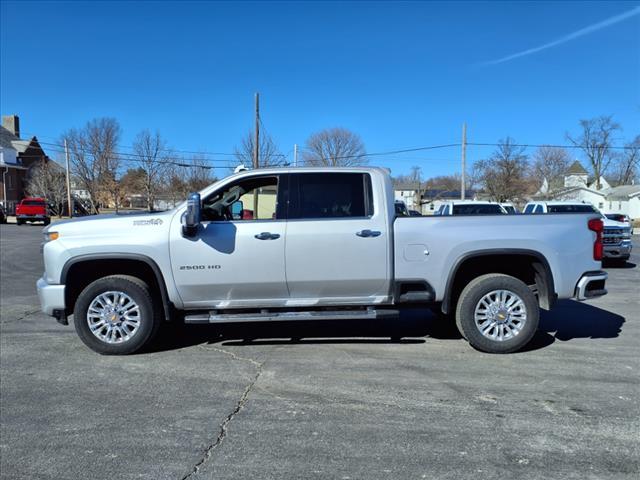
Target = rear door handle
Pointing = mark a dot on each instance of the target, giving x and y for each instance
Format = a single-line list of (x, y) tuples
[(368, 233), (267, 236)]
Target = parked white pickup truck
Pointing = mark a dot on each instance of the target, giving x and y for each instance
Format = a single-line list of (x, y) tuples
[(305, 244), (616, 236)]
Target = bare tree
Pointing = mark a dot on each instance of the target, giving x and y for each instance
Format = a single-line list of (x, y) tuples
[(48, 180), (444, 182), (151, 151), (595, 141), (175, 186), (94, 158), (187, 176), (335, 147), (269, 154), (627, 164), (550, 163), (199, 174), (505, 174), (132, 183)]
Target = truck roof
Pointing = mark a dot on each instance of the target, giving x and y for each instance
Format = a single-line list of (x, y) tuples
[(560, 202)]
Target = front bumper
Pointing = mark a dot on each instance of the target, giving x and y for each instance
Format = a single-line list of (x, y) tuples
[(621, 250), (51, 297), (591, 285)]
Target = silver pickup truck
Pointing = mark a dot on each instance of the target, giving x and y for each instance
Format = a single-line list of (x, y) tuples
[(307, 244)]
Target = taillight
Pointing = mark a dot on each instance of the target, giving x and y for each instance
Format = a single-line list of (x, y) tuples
[(596, 225)]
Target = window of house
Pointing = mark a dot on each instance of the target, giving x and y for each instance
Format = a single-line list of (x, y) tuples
[(249, 199), (601, 205), (330, 195)]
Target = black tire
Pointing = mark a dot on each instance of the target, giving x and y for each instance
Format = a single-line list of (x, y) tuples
[(19, 222), (471, 296), (150, 314), (47, 222)]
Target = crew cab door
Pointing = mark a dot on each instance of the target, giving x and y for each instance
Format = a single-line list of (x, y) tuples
[(337, 240), (236, 258)]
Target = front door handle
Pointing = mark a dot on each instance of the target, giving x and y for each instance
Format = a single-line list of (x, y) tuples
[(267, 236), (368, 233)]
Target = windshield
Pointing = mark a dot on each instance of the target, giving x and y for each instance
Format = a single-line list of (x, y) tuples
[(580, 208), (478, 209), (34, 203)]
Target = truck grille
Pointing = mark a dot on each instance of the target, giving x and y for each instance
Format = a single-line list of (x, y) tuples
[(611, 240), (613, 231)]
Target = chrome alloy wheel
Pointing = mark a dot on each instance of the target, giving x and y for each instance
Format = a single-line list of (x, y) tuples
[(113, 317), (500, 315)]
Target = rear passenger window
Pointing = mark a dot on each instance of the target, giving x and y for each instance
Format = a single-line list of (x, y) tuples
[(330, 195), (529, 208), (538, 209)]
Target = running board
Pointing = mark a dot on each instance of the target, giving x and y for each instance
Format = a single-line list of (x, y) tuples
[(266, 316)]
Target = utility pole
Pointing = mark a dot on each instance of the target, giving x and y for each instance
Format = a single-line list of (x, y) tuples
[(256, 149), (295, 154), (69, 205), (256, 155), (464, 161)]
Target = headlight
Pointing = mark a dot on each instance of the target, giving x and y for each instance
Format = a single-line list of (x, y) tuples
[(50, 236), (626, 233)]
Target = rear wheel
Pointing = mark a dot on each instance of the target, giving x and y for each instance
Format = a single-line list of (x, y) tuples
[(497, 313), (115, 315), (19, 222)]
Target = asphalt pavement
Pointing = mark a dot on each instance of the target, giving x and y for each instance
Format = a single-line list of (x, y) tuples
[(320, 400)]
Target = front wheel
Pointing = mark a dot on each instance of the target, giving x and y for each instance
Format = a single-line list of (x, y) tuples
[(497, 313), (115, 315)]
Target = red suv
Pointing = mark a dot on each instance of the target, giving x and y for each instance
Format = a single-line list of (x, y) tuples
[(32, 210)]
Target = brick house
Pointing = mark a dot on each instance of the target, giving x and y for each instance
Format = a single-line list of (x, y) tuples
[(17, 156)]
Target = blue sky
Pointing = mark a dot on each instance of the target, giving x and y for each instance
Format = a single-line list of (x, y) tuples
[(399, 74)]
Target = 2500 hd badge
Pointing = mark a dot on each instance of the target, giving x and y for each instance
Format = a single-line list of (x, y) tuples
[(200, 267)]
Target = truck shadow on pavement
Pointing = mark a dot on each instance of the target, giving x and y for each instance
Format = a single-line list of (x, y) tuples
[(567, 321), (616, 265)]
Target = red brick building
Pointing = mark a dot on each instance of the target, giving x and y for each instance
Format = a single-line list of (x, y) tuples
[(17, 156)]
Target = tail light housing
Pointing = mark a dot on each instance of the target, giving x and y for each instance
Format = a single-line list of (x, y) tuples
[(596, 225)]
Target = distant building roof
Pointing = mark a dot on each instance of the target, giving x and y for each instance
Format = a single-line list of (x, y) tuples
[(6, 137), (9, 140), (576, 169), (623, 192)]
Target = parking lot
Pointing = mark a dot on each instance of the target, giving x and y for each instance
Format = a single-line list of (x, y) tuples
[(320, 400)]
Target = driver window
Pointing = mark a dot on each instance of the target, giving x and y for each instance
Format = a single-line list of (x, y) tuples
[(249, 199)]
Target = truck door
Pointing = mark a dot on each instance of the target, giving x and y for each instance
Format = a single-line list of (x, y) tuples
[(337, 240), (237, 257)]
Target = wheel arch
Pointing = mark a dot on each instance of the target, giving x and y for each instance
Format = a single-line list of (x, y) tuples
[(530, 266), (91, 267)]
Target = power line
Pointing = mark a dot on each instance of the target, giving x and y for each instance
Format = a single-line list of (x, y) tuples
[(531, 145), (131, 147)]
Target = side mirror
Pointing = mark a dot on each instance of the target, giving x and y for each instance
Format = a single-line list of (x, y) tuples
[(192, 217), (236, 210)]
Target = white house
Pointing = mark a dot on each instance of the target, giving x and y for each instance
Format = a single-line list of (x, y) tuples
[(623, 199), (408, 196)]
